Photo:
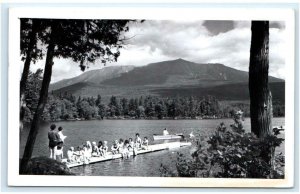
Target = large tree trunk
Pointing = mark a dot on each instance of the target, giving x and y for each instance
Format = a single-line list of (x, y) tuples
[(41, 104), (32, 43), (260, 95)]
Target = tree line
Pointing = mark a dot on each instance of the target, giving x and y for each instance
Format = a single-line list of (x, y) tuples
[(65, 106)]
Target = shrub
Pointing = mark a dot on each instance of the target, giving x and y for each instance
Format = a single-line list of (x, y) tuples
[(233, 153)]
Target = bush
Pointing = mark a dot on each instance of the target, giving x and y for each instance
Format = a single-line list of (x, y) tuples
[(233, 153)]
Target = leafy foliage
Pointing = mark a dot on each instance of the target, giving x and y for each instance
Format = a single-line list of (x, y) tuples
[(29, 26), (32, 93), (232, 153)]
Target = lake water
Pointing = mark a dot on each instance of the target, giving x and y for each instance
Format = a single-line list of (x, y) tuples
[(79, 132)]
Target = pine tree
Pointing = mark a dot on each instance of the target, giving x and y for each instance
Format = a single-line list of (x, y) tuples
[(82, 41)]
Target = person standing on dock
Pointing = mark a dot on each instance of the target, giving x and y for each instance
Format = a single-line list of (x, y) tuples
[(61, 135), (53, 141), (59, 147)]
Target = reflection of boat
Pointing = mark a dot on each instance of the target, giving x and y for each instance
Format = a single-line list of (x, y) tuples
[(162, 137), (151, 148)]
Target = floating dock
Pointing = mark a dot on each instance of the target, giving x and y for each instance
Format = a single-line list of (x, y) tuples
[(110, 156)]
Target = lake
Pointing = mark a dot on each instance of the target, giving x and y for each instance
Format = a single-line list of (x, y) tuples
[(79, 132)]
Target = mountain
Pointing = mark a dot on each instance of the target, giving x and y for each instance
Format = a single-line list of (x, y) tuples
[(168, 79), (180, 72), (93, 76)]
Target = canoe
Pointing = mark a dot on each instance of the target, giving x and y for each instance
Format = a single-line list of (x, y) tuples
[(110, 156), (166, 137)]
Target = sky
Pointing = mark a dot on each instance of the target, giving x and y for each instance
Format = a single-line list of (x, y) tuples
[(226, 42)]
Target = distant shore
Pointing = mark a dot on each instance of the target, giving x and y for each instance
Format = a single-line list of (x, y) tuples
[(165, 118)]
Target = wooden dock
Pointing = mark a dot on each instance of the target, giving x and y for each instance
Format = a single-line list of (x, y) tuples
[(110, 156)]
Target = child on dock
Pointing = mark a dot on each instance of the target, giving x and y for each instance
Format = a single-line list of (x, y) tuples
[(78, 154), (138, 141), (95, 149), (115, 147), (121, 145), (59, 154), (125, 150), (86, 154), (104, 148), (70, 155), (131, 145), (88, 149), (100, 148), (145, 143)]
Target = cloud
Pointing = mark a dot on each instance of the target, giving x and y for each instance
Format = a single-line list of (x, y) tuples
[(197, 41)]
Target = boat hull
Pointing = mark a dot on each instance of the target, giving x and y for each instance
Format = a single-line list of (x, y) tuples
[(166, 137)]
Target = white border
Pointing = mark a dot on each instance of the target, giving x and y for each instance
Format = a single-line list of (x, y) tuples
[(14, 179)]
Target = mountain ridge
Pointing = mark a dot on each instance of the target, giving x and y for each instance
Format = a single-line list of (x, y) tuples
[(166, 78), (180, 72), (94, 76)]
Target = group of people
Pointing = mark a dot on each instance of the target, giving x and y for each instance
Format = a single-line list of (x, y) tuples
[(87, 150), (56, 142)]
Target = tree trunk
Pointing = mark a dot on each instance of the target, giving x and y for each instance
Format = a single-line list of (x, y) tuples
[(25, 73), (42, 101), (260, 95)]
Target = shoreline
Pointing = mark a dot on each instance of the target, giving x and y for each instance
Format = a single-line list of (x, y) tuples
[(154, 119)]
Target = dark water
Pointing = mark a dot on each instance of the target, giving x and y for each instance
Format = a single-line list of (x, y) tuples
[(79, 132)]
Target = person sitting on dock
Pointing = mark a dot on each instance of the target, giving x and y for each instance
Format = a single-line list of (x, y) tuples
[(78, 154), (165, 132), (125, 150), (121, 144), (59, 154), (88, 149), (70, 155), (100, 148), (104, 148), (95, 149), (115, 147), (138, 141), (131, 145), (145, 143), (86, 154)]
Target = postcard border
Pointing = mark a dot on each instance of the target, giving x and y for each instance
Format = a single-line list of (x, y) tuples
[(14, 179)]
